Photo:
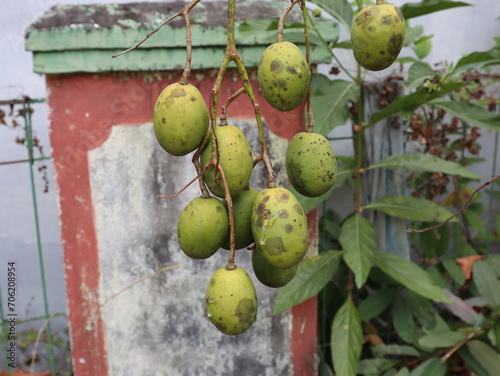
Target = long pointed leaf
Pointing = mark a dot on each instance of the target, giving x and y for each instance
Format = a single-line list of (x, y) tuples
[(410, 275), (424, 162), (475, 60), (408, 103), (358, 240), (486, 356), (312, 275), (471, 113), (346, 340), (409, 207), (487, 283), (412, 10)]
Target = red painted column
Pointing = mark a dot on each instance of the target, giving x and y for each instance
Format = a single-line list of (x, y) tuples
[(83, 108)]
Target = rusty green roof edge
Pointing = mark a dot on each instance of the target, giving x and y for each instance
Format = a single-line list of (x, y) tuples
[(86, 47)]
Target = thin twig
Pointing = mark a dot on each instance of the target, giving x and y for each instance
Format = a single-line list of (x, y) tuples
[(281, 22), (189, 50), (458, 345), (223, 117), (310, 115), (184, 10), (462, 209), (38, 336), (229, 201), (187, 185), (139, 281)]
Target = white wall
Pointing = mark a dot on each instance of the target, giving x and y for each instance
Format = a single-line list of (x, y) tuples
[(456, 32)]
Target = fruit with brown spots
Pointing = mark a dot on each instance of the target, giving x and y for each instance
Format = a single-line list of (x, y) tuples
[(377, 35), (268, 274), (242, 214), (279, 227), (231, 300), (235, 157), (202, 227), (284, 76), (180, 119), (311, 164)]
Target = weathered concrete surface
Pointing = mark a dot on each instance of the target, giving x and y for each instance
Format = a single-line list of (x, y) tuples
[(159, 327)]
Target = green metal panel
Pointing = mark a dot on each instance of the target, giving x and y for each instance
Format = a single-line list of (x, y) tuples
[(92, 61), (82, 38)]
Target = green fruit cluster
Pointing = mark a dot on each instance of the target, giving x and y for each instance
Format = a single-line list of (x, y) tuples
[(377, 35), (270, 222)]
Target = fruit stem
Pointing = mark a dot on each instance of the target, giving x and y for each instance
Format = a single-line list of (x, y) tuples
[(271, 182), (281, 22), (223, 118), (310, 115), (196, 161), (227, 196), (379, 2), (358, 130), (189, 51)]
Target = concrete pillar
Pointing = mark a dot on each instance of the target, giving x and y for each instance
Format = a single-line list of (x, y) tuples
[(109, 170)]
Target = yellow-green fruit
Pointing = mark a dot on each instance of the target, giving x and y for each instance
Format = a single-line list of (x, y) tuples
[(242, 214), (279, 227), (311, 164), (377, 35), (268, 274), (284, 76), (202, 227), (231, 300), (235, 157), (180, 119)]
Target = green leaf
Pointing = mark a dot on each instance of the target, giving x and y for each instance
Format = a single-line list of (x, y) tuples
[(411, 101), (486, 282), (395, 349), (474, 219), (418, 73), (358, 240), (341, 10), (375, 304), (412, 33), (475, 60), (486, 356), (373, 367), (410, 207), (411, 10), (346, 340), (430, 367), (309, 203), (330, 104), (312, 275), (471, 113), (454, 270), (402, 319), (423, 47), (442, 339), (424, 162), (471, 362), (403, 372), (410, 275)]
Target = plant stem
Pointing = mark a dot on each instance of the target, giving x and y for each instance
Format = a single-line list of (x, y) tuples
[(281, 22), (271, 183), (358, 130), (310, 115), (189, 50)]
